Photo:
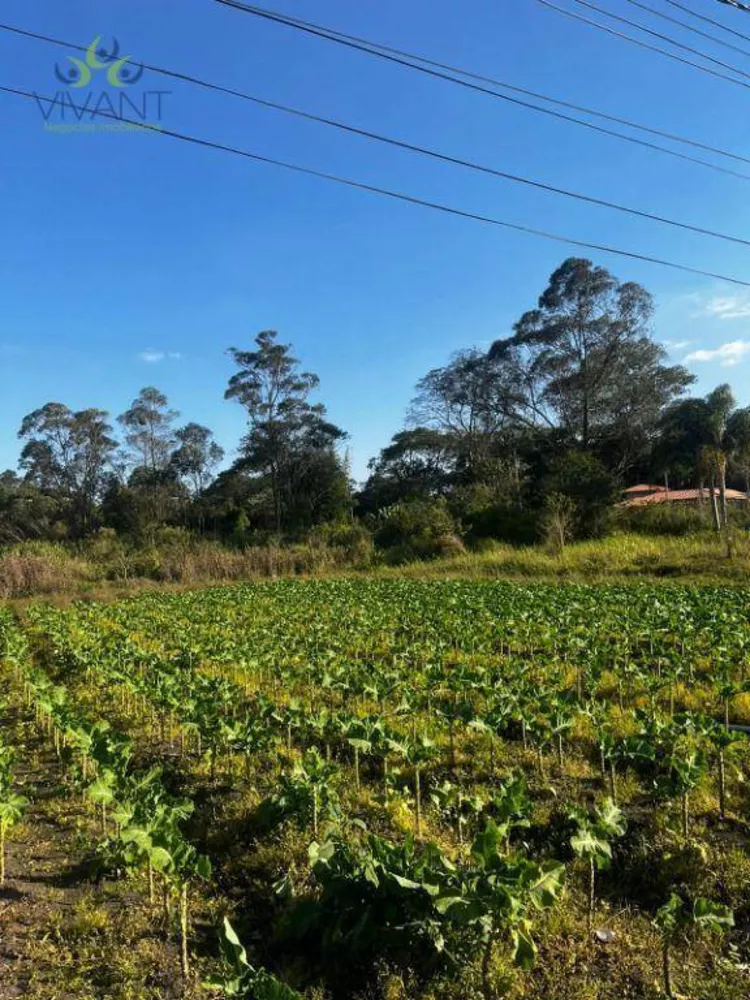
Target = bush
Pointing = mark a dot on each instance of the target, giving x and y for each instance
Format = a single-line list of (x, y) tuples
[(351, 542), (504, 523), (677, 519), (583, 478), (417, 529)]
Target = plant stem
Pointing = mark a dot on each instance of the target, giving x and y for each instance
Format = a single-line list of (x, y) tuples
[(665, 967), (685, 815), (184, 930), (418, 796)]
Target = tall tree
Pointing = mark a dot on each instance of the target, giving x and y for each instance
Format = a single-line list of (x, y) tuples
[(417, 464), (149, 432), (587, 352), (196, 457), (473, 401), (288, 436), (68, 455)]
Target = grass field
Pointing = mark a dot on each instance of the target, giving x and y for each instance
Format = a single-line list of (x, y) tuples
[(390, 788), (43, 570)]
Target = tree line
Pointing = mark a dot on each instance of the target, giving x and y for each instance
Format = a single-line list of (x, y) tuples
[(549, 423)]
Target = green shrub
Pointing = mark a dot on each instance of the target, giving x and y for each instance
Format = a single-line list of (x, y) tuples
[(677, 519), (417, 529), (351, 542), (504, 523)]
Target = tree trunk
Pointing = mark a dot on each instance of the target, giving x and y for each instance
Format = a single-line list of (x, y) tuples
[(722, 785), (714, 505), (723, 491), (592, 892)]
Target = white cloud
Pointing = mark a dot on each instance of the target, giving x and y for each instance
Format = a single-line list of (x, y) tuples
[(676, 345), (728, 307), (152, 357), (728, 355)]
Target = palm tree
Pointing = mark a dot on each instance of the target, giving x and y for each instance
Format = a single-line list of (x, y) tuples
[(703, 434), (738, 431)]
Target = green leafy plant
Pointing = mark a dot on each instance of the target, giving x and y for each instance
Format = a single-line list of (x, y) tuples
[(240, 978), (676, 916), (592, 841), (496, 894)]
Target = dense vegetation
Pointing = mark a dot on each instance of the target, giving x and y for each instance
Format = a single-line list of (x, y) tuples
[(392, 789), (533, 439)]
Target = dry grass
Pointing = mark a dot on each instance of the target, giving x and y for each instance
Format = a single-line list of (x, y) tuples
[(625, 557), (54, 570)]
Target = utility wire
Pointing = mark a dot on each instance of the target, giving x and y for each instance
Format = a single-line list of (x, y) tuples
[(736, 3), (467, 164), (660, 36), (708, 20), (635, 41), (688, 27), (386, 192), (410, 61)]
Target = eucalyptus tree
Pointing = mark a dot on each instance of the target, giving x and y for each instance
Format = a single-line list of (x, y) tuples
[(586, 361), (196, 456), (289, 441), (69, 455)]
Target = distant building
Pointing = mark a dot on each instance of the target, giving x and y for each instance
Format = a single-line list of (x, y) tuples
[(644, 495), (643, 490)]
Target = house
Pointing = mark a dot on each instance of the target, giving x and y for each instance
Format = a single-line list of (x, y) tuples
[(643, 495), (642, 490)]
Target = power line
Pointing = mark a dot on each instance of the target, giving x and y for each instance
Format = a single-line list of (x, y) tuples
[(662, 37), (427, 66), (455, 160), (688, 27), (736, 3), (636, 41), (708, 20), (386, 192)]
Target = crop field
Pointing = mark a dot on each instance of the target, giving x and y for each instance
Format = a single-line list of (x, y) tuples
[(377, 790)]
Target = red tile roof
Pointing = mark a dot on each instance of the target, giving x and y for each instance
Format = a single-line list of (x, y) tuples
[(644, 488), (681, 496)]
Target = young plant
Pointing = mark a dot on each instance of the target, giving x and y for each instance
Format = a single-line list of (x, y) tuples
[(307, 795), (12, 808), (592, 842), (241, 979), (496, 895), (675, 916)]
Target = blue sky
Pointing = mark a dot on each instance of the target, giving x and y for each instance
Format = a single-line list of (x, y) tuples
[(130, 260)]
